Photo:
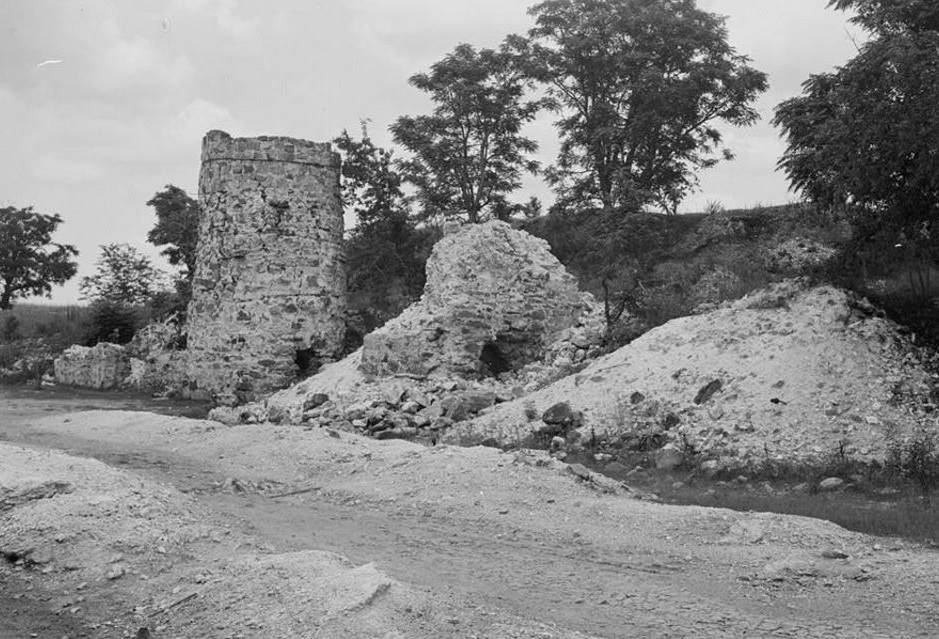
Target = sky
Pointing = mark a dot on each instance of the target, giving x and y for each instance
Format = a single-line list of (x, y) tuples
[(104, 102)]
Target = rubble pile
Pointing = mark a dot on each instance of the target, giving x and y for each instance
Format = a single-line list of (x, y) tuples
[(499, 317), (495, 298), (154, 360), (787, 374)]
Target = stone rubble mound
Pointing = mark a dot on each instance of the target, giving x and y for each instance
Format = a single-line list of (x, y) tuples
[(104, 366), (787, 374), (495, 298), (499, 318), (151, 361)]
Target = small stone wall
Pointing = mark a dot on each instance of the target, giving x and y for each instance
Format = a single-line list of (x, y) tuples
[(102, 367), (495, 298), (269, 288)]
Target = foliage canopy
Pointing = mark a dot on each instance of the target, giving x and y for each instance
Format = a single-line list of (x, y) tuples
[(30, 262), (177, 226), (866, 136), (641, 85), (468, 154), (385, 251), (123, 276)]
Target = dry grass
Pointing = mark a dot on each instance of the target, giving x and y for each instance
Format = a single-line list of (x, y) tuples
[(63, 325), (876, 503)]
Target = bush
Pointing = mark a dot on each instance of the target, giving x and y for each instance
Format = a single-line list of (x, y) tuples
[(917, 461), (111, 322), (9, 329)]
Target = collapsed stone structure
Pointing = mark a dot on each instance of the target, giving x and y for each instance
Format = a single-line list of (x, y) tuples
[(495, 298), (104, 366), (269, 289), (790, 374)]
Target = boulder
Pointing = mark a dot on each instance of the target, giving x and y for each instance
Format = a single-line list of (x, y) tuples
[(668, 458), (103, 367), (831, 484)]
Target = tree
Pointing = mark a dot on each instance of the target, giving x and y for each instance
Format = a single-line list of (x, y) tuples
[(886, 16), (123, 276), (370, 185), (177, 227), (385, 251), (641, 85), (30, 262), (865, 137), (469, 154)]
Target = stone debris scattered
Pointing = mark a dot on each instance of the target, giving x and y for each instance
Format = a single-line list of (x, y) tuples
[(169, 554), (789, 374), (499, 318), (154, 360), (124, 553)]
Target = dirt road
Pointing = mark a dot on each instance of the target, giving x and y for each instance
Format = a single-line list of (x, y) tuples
[(496, 544)]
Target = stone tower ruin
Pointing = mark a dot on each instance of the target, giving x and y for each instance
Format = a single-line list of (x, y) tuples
[(268, 295)]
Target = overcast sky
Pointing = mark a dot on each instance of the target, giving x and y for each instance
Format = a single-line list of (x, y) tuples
[(128, 89)]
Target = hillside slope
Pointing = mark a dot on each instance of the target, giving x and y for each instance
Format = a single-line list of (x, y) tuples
[(790, 374)]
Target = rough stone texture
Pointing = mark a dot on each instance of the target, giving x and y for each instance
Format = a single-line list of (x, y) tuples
[(103, 367), (156, 362), (788, 374), (495, 299), (269, 288)]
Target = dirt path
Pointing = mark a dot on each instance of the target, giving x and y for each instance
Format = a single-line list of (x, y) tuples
[(489, 532)]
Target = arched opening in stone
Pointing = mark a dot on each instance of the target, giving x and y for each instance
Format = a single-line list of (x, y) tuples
[(494, 362), (307, 361)]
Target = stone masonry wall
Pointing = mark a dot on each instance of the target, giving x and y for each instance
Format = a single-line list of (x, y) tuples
[(269, 287), (495, 299)]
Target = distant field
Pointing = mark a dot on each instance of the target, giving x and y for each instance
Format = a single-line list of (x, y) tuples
[(62, 323)]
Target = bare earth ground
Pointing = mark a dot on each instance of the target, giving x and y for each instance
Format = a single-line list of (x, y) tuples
[(193, 529)]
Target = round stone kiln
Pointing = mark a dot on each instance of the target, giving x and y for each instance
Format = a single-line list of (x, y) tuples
[(269, 290)]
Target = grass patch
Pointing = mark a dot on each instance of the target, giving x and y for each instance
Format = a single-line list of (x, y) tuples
[(902, 515), (876, 501), (62, 324)]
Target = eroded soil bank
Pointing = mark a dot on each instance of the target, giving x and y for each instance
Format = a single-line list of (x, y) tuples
[(439, 541)]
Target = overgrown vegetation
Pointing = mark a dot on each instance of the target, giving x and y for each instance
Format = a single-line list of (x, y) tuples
[(177, 231), (30, 262), (648, 268), (31, 335), (862, 140), (916, 461)]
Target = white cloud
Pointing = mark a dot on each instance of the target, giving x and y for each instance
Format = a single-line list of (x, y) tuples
[(136, 64), (197, 118), (224, 13), (231, 23), (61, 169)]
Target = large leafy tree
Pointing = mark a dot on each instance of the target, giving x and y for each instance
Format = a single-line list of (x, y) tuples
[(177, 226), (866, 136), (30, 262), (123, 276), (642, 86), (469, 154)]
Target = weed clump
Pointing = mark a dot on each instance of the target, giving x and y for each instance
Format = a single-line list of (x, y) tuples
[(916, 460)]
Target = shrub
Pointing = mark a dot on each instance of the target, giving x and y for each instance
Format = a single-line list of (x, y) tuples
[(111, 322), (9, 329), (917, 461)]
